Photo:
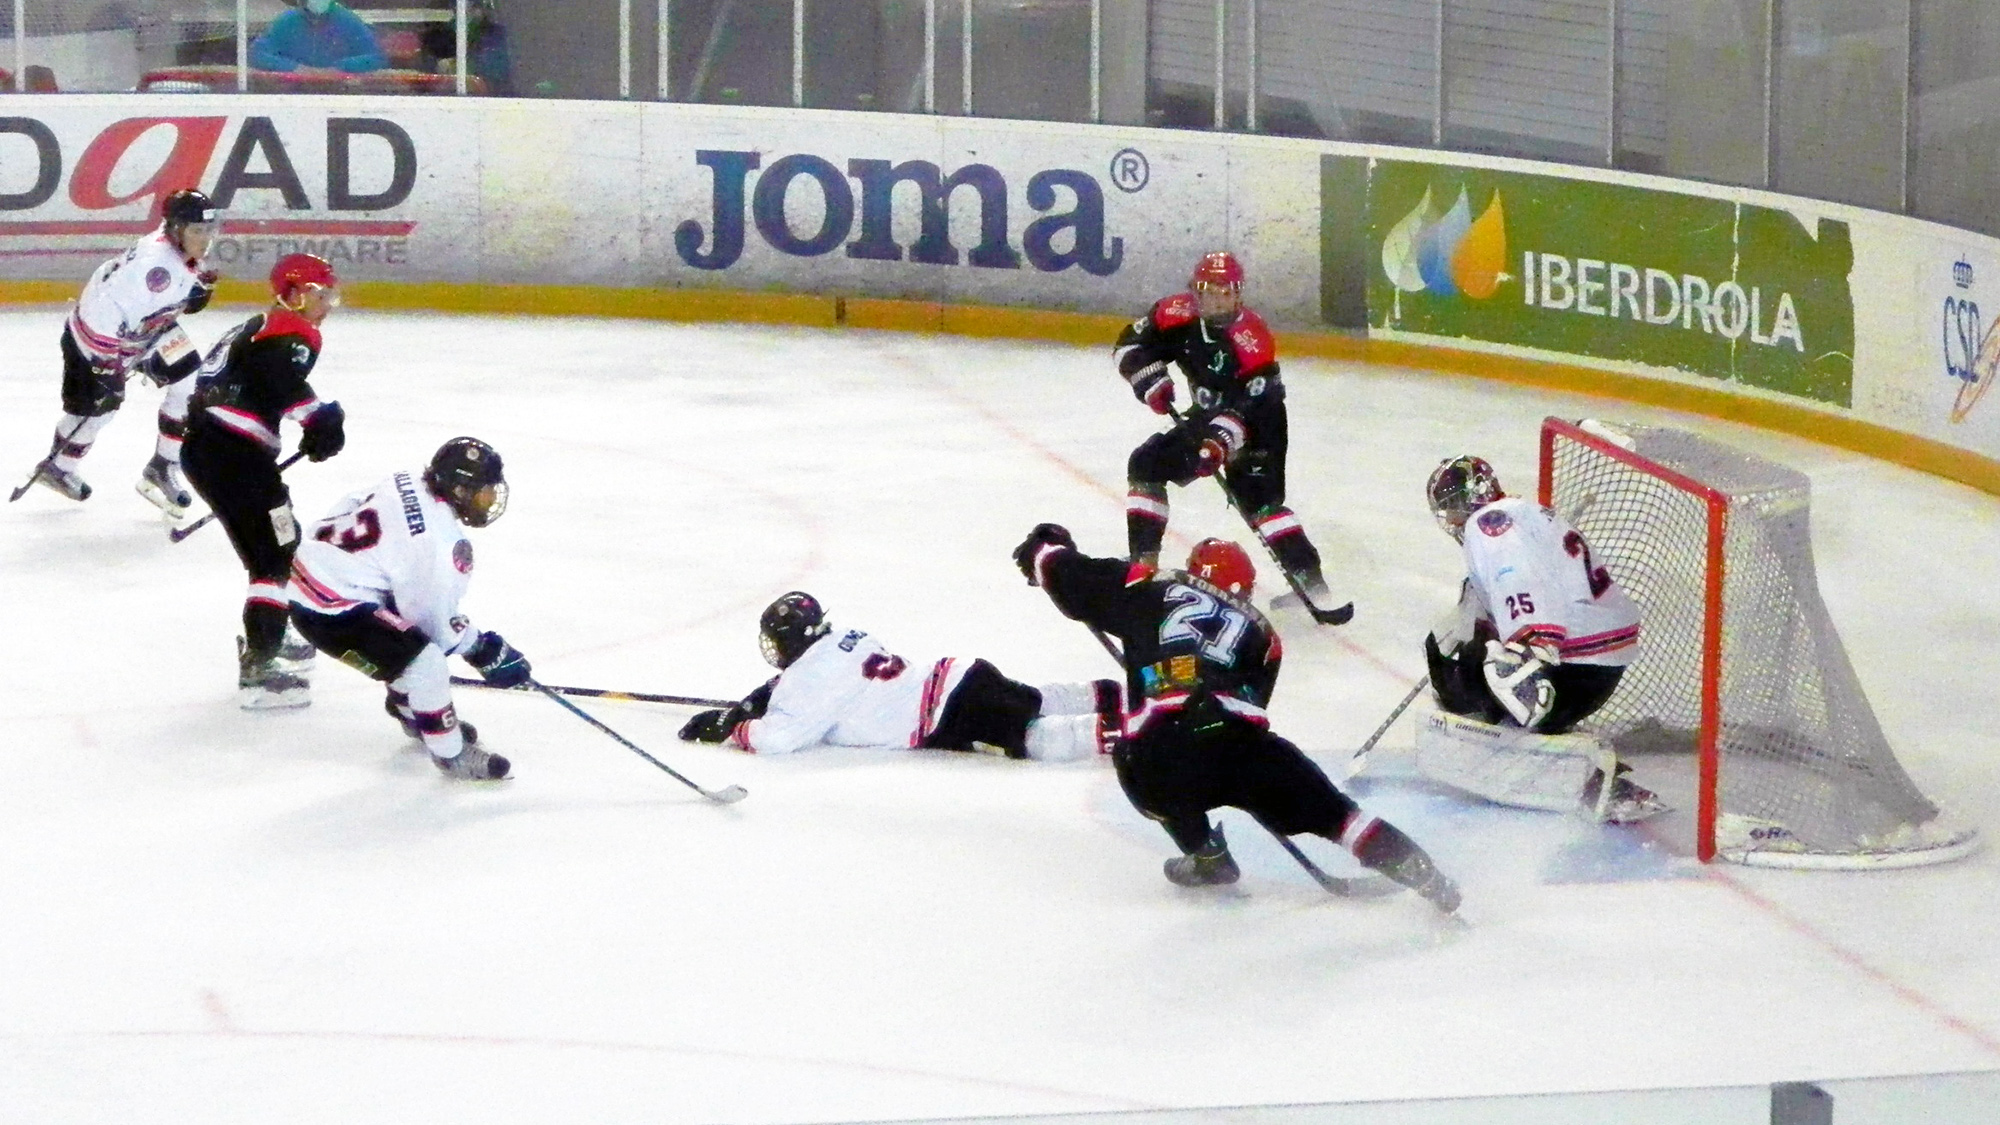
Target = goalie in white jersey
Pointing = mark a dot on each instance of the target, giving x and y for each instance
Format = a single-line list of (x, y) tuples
[(1538, 641), (376, 585), (127, 321), (841, 687)]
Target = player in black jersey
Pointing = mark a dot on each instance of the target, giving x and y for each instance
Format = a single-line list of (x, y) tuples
[(1200, 663), (1236, 426), (253, 379)]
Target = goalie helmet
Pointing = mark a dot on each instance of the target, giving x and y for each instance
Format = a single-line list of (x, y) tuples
[(1458, 487), (789, 627), (466, 474), (1224, 565)]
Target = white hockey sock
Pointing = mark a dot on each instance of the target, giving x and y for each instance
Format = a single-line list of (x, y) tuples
[(73, 436), (1063, 738), (173, 420), (427, 683), (1069, 699)]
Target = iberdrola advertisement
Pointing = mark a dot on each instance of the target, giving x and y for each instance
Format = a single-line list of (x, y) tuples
[(1715, 288)]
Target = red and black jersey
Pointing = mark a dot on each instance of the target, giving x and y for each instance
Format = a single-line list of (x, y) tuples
[(255, 376), (1231, 369), (1189, 646)]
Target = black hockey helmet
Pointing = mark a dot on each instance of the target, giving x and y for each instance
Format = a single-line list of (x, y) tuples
[(189, 206), (465, 473), (1458, 487), (789, 627)]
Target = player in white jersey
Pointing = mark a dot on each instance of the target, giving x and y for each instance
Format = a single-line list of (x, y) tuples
[(841, 687), (1557, 631), (1538, 641), (127, 321), (376, 585)]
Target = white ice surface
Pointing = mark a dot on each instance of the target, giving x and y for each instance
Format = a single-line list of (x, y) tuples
[(207, 915)]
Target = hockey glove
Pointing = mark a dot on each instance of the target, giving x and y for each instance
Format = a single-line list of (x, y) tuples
[(1044, 535), (1209, 457), (325, 432), (499, 663), (204, 289), (759, 701), (1153, 386), (712, 726)]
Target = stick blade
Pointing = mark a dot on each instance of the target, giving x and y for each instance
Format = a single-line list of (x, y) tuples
[(728, 796), (1339, 616)]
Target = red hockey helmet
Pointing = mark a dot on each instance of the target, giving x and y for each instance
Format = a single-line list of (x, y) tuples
[(1224, 565), (296, 273), (1218, 269)]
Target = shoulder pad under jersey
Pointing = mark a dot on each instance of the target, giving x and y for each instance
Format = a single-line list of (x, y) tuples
[(1174, 311), (1254, 344), (285, 322)]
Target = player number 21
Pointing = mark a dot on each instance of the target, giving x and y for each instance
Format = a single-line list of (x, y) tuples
[(1198, 617)]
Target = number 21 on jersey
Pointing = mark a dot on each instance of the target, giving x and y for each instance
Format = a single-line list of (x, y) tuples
[(1214, 627)]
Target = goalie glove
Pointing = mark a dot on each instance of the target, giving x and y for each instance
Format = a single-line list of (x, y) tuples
[(1518, 676), (1460, 624)]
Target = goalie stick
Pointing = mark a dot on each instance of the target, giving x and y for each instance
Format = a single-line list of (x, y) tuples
[(728, 795), (176, 534), (1340, 886), (602, 693), (1339, 615), (1409, 697)]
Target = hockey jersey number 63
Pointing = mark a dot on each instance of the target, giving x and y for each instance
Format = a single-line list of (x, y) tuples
[(1538, 583), (395, 546)]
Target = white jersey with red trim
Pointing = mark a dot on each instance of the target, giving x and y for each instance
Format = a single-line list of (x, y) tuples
[(848, 690), (395, 546), (133, 300), (1539, 585)]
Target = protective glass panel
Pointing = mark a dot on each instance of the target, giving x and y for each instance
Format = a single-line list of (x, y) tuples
[(1956, 127), (1528, 78), (1350, 70), (1838, 93)]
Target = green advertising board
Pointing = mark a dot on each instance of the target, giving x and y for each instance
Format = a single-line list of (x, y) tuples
[(1727, 290)]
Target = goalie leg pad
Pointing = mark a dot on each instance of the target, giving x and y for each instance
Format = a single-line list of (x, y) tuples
[(1510, 766)]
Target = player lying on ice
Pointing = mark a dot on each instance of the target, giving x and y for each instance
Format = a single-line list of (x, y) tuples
[(842, 688), (376, 585), (1538, 641), (1200, 663)]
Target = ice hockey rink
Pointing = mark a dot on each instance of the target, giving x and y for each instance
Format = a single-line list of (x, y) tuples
[(208, 915)]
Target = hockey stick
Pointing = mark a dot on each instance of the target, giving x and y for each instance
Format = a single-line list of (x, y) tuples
[(1416, 689), (37, 474), (1340, 886), (602, 693), (728, 795), (1340, 615), (176, 534)]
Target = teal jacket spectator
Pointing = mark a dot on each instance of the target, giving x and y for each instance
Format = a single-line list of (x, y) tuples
[(323, 34)]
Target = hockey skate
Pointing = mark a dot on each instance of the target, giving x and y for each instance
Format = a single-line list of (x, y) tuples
[(1207, 866), (295, 653), (52, 476), (160, 483), (261, 685), (473, 764), (1629, 802)]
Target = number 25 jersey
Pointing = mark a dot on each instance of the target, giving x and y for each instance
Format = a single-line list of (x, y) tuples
[(1540, 585)]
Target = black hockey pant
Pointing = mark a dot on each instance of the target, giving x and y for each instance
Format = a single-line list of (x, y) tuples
[(1459, 683), (1181, 766), (240, 480), (1256, 478), (987, 707)]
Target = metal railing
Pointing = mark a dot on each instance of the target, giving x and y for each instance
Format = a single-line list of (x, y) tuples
[(1891, 104)]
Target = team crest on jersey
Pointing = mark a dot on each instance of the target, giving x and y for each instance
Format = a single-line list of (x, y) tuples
[(461, 556), (301, 355), (1495, 523), (157, 279)]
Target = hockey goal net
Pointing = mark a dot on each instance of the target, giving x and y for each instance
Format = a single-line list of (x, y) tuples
[(1739, 663)]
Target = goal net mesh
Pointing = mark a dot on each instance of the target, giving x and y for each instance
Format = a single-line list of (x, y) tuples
[(1803, 775)]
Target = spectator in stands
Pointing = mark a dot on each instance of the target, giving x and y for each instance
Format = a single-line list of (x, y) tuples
[(323, 37), (485, 41)]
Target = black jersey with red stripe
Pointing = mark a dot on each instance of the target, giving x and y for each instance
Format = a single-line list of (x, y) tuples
[(1188, 645), (1234, 368), (256, 375)]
